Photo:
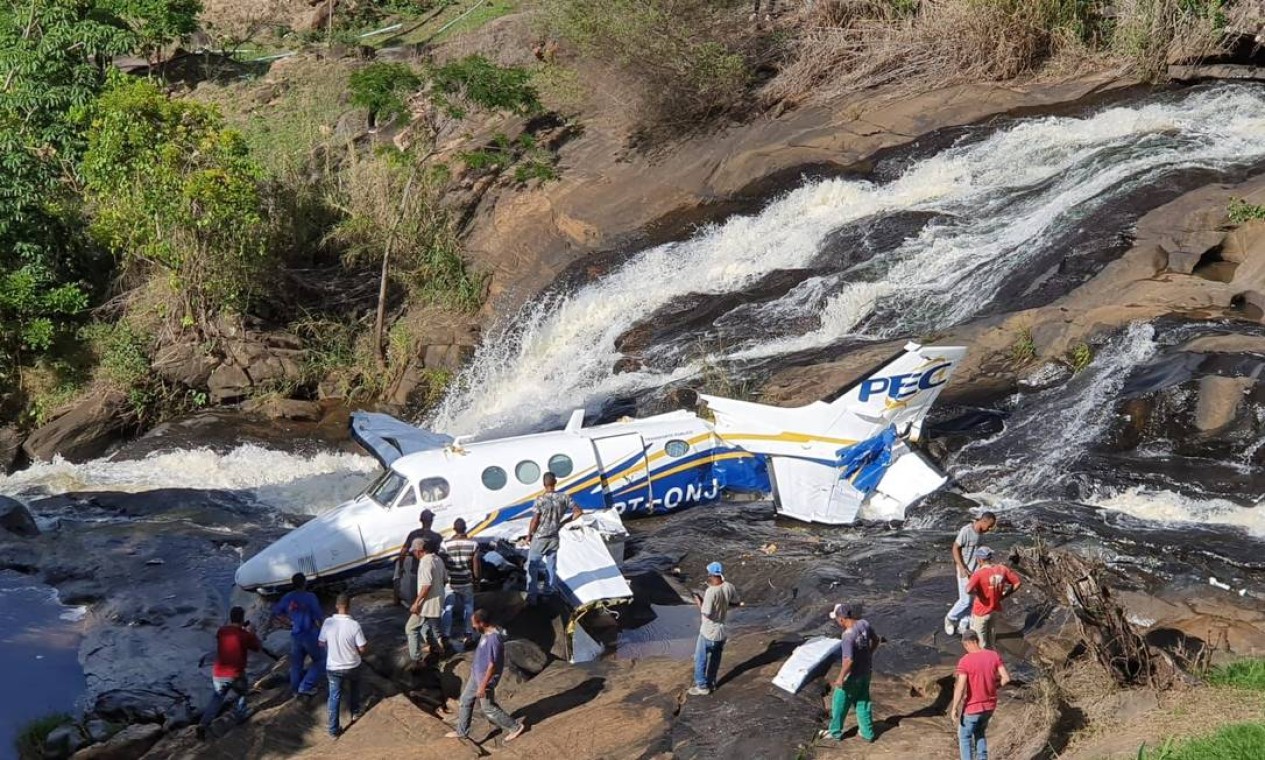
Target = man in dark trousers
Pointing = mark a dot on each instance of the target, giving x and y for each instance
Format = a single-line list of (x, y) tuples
[(485, 673), (405, 560), (979, 673), (233, 642), (548, 516), (461, 556), (852, 686), (423, 624), (301, 610)]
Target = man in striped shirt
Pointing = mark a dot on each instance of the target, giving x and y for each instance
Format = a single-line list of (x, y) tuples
[(461, 555)]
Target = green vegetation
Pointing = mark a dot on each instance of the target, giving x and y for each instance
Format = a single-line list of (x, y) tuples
[(381, 88), (479, 82), (1242, 674), (1244, 741), (30, 741), (1079, 357), (530, 161), (1024, 348), (1241, 211)]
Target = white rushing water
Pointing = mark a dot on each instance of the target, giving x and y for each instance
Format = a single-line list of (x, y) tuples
[(302, 483), (1163, 505), (1001, 199)]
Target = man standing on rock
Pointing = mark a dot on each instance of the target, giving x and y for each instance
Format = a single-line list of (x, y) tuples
[(979, 673), (233, 643), (404, 561), (549, 515), (852, 686), (428, 606), (989, 584), (963, 550), (714, 606), (301, 610), (461, 557), (485, 673), (344, 643)]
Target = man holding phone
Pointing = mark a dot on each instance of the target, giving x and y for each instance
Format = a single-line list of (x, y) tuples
[(713, 604)]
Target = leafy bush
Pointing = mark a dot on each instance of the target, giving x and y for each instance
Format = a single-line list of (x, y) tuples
[(1080, 357), (30, 740), (382, 87), (486, 85), (1243, 674), (177, 192), (1241, 211), (156, 23), (1024, 348), (529, 159)]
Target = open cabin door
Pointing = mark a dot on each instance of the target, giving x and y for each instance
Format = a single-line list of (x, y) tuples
[(625, 474)]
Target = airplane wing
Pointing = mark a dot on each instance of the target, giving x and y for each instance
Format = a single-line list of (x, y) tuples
[(388, 439)]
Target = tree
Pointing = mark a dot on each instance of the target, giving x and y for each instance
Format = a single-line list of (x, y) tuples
[(157, 23)]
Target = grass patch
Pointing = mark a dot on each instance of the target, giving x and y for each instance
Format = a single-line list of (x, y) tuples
[(1243, 674), (1241, 211), (1244, 741), (1024, 349), (30, 740), (1080, 357)]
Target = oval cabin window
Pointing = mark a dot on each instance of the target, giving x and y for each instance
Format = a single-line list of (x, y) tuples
[(527, 471), (676, 448), (433, 489), (560, 465), (494, 478)]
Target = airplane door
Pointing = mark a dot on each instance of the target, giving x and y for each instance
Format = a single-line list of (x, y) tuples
[(625, 476)]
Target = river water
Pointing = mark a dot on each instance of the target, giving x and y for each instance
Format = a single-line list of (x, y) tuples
[(1006, 217)]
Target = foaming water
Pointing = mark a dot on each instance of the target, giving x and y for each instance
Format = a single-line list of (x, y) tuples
[(284, 481), (1002, 203), (1168, 506)]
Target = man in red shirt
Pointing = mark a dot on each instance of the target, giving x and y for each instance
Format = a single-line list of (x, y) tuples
[(979, 673), (232, 643), (989, 584)]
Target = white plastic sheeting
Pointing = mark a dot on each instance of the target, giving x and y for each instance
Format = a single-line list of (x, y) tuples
[(805, 660), (584, 648), (585, 564), (812, 491)]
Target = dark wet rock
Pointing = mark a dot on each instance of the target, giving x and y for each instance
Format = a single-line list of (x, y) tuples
[(83, 432), (130, 743), (16, 518), (64, 741), (99, 730), (526, 656), (10, 448), (1045, 376)]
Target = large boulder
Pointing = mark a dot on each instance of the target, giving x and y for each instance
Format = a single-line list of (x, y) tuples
[(62, 741), (131, 742), (185, 363), (228, 382), (1219, 401), (10, 445), (16, 519), (82, 433)]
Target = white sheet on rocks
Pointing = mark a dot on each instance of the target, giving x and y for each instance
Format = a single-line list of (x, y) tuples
[(806, 658)]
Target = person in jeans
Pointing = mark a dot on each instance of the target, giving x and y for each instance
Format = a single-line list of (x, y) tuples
[(233, 643), (989, 584), (979, 673), (428, 607), (852, 686), (461, 558), (405, 562), (344, 643), (485, 673), (549, 515), (963, 551), (301, 610), (713, 606)]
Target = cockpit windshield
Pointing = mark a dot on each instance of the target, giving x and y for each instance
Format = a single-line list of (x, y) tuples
[(387, 488)]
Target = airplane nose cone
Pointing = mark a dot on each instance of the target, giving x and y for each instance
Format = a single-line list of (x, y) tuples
[(267, 569)]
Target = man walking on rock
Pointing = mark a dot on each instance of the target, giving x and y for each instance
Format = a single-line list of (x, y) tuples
[(713, 605), (989, 584), (428, 606), (233, 643), (852, 686), (461, 557), (302, 611), (979, 673), (344, 643), (963, 551), (549, 515), (485, 673)]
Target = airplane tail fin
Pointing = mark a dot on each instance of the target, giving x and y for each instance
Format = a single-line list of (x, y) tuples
[(899, 393)]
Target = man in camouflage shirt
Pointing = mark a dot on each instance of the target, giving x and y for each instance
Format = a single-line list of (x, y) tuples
[(549, 515)]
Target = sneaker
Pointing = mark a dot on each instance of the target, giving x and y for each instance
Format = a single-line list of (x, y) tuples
[(950, 627), (454, 735), (699, 691), (964, 625), (517, 732)]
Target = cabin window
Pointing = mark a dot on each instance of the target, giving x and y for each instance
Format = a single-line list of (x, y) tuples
[(387, 488), (527, 471), (433, 489), (676, 448), (494, 478), (560, 465), (409, 499)]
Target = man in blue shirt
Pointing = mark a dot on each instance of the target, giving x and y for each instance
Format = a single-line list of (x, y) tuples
[(301, 610), (485, 673), (852, 687)]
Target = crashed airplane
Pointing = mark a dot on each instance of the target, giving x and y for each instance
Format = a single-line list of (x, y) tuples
[(822, 463)]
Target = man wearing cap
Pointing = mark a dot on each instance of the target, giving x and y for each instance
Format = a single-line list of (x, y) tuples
[(978, 674), (713, 604), (989, 584), (852, 686), (963, 550), (405, 563), (549, 514), (428, 607)]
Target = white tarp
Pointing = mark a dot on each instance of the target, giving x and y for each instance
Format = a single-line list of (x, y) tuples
[(585, 565), (806, 658), (584, 648)]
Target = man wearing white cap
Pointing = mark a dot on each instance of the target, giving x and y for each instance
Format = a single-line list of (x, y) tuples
[(852, 686), (714, 606)]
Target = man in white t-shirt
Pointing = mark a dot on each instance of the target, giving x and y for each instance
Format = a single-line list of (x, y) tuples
[(344, 642)]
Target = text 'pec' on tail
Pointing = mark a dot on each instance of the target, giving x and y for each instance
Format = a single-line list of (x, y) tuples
[(901, 392)]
